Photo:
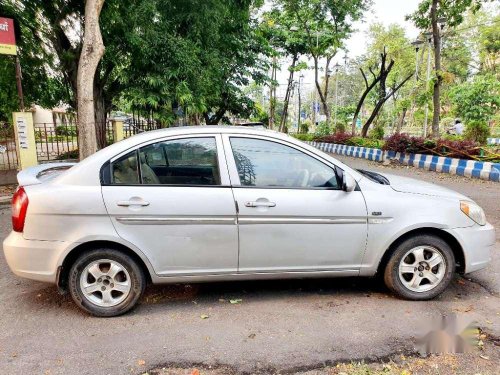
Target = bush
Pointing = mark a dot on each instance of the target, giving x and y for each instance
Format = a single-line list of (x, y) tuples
[(340, 138), (304, 137), (322, 129), (66, 130), (366, 142), (69, 155), (418, 145), (457, 149), (377, 132), (340, 127), (477, 131)]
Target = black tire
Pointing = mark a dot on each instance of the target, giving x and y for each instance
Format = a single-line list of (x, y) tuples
[(391, 273), (135, 273)]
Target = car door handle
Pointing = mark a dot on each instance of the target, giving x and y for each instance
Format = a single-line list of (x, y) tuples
[(260, 204), (132, 203)]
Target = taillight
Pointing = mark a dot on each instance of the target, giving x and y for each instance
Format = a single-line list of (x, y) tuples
[(19, 208)]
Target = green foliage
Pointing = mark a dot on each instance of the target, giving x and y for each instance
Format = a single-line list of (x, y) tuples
[(305, 125), (42, 82), (171, 58), (366, 142), (304, 137), (377, 132), (477, 100), (64, 130), (452, 11), (477, 131), (322, 129)]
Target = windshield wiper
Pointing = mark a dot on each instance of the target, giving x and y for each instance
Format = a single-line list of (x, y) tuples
[(377, 177)]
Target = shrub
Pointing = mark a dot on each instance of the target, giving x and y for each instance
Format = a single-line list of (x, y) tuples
[(398, 142), (69, 155), (340, 138), (418, 145), (304, 137), (377, 132), (457, 149), (477, 131), (66, 130), (322, 129), (365, 142), (340, 127)]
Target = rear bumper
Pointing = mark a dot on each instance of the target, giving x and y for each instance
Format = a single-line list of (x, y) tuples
[(477, 243), (36, 260)]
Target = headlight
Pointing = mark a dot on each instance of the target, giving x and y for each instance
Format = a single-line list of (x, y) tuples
[(473, 211)]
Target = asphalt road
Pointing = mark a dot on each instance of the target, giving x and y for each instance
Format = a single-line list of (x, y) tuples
[(278, 325)]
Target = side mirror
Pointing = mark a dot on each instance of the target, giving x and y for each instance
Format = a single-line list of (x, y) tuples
[(348, 183)]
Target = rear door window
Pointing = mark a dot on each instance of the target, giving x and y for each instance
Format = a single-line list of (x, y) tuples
[(188, 161)]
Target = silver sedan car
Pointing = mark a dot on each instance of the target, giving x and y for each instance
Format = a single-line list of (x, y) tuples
[(197, 204)]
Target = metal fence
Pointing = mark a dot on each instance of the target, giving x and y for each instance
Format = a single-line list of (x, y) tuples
[(134, 126), (8, 150), (56, 141)]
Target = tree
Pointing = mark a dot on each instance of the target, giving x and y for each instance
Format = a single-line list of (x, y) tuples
[(477, 100), (92, 51), (280, 28), (379, 79), (327, 24), (428, 15)]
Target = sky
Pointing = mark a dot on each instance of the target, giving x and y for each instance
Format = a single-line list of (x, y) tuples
[(383, 11)]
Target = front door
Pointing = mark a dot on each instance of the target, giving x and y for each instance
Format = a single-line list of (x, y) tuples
[(293, 216), (172, 199)]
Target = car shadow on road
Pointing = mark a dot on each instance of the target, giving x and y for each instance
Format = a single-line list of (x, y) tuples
[(261, 290), (183, 295)]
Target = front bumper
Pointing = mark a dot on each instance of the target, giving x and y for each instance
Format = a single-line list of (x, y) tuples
[(36, 260), (477, 243)]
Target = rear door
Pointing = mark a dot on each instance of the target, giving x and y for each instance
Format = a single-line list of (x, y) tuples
[(172, 199), (293, 215)]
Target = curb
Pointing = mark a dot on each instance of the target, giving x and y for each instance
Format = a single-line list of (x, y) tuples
[(493, 141), (462, 167), (5, 200)]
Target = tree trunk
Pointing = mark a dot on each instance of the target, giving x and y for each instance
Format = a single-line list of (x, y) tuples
[(92, 51), (100, 116), (323, 95), (287, 95), (368, 88), (401, 121), (437, 67), (380, 103)]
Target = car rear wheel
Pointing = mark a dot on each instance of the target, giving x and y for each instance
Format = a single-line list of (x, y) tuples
[(420, 268), (106, 282)]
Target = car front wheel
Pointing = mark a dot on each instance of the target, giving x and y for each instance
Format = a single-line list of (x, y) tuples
[(106, 282), (420, 268)]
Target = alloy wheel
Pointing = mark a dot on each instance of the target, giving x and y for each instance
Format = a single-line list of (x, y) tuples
[(105, 283), (422, 268)]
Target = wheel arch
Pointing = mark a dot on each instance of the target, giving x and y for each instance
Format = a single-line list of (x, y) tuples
[(454, 244), (70, 258)]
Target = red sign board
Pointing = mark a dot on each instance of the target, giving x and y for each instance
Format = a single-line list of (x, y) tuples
[(7, 37)]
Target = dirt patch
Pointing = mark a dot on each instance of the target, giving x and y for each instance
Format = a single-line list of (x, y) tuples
[(484, 361), (7, 190)]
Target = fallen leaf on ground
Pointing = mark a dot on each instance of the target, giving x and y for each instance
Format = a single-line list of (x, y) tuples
[(195, 372), (485, 357), (203, 316), (141, 362), (235, 301)]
